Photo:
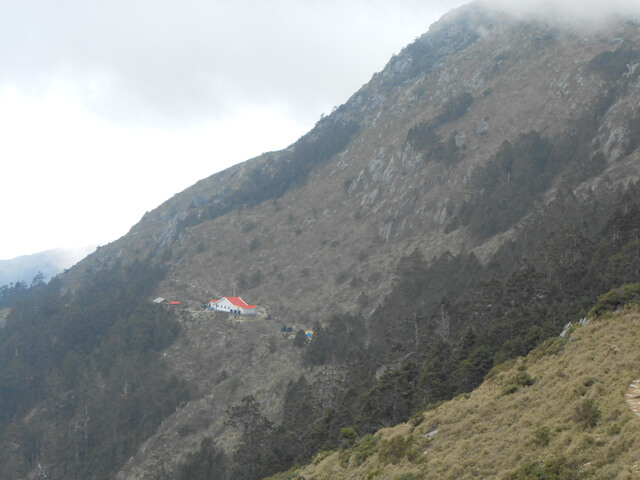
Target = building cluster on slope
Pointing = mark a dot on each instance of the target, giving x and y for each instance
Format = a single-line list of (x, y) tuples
[(234, 305), (164, 301)]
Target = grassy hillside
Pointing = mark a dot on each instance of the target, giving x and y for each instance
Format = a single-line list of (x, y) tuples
[(558, 413)]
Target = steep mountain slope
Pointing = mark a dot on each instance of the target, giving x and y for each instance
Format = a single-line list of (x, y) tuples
[(558, 413), (420, 157), (456, 211), (429, 166)]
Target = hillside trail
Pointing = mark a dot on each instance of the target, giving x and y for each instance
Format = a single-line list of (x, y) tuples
[(632, 396)]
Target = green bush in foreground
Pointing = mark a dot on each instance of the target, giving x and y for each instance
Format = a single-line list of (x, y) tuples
[(616, 298)]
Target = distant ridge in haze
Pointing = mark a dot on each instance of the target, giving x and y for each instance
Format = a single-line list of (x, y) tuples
[(50, 263)]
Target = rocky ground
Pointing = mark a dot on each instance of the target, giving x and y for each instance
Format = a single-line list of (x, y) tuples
[(633, 397)]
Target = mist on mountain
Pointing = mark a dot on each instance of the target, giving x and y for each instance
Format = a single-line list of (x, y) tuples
[(48, 263)]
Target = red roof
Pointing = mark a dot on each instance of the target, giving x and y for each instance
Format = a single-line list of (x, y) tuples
[(174, 303), (238, 302)]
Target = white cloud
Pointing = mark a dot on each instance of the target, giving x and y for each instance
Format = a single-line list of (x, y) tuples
[(109, 107), (580, 12), (168, 62)]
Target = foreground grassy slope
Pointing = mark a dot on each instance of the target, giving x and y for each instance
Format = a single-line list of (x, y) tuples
[(559, 413)]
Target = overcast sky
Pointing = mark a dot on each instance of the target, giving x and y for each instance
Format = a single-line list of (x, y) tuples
[(108, 108)]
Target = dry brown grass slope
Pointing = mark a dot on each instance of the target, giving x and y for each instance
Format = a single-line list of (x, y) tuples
[(572, 421)]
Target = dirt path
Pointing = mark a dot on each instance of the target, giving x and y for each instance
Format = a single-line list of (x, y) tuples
[(633, 397), (633, 400)]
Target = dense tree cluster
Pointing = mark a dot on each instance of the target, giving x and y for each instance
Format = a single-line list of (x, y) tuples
[(11, 293), (91, 358), (424, 138), (613, 64), (511, 183)]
